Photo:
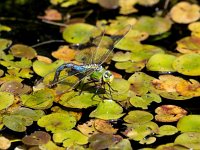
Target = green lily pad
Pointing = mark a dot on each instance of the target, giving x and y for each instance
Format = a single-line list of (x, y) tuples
[(119, 91), (152, 25), (130, 66), (42, 68), (6, 99), (124, 144), (23, 73), (41, 99), (139, 132), (189, 140), (24, 63), (36, 138), (51, 146), (107, 109), (5, 28), (20, 118), (120, 56), (4, 43), (188, 64), (138, 116), (189, 123), (70, 138), (171, 146), (140, 83), (20, 50), (167, 130), (78, 33), (57, 122), (128, 44), (161, 62), (85, 100), (144, 100)]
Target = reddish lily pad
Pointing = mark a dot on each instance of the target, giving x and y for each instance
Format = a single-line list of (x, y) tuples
[(20, 50), (188, 12), (104, 126), (169, 113), (36, 138)]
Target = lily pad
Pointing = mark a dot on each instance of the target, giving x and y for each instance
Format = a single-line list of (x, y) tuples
[(42, 68), (148, 2), (161, 62), (169, 113), (20, 50), (104, 126), (144, 100), (64, 53), (152, 25), (36, 138), (24, 63), (57, 122), (189, 140), (189, 45), (87, 128), (130, 66), (41, 99), (6, 99), (4, 43), (189, 123), (19, 119), (85, 100), (103, 141), (195, 28), (188, 12), (79, 33), (138, 116), (123, 144), (167, 130), (4, 143), (70, 138), (107, 109), (188, 64)]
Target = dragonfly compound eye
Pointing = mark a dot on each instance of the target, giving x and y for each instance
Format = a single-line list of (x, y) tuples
[(108, 77)]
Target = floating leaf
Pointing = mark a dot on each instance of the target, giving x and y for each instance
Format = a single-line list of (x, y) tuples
[(84, 100), (41, 99), (189, 140), (171, 146), (57, 122), (126, 7), (4, 143), (4, 43), (19, 119), (138, 116), (64, 53), (124, 144), (130, 66), (5, 28), (51, 14), (36, 138), (189, 123), (161, 62), (20, 50), (152, 25), (195, 28), (107, 109), (88, 128), (140, 131), (188, 12), (148, 2), (167, 130), (140, 83), (148, 140), (144, 100), (169, 113), (103, 141), (15, 87), (24, 63), (189, 45), (111, 4), (70, 138), (6, 99), (188, 64), (42, 68), (78, 33), (104, 126)]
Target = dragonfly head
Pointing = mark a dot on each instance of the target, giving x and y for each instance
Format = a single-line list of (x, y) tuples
[(108, 76)]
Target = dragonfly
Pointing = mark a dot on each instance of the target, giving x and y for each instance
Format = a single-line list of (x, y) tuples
[(94, 70)]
